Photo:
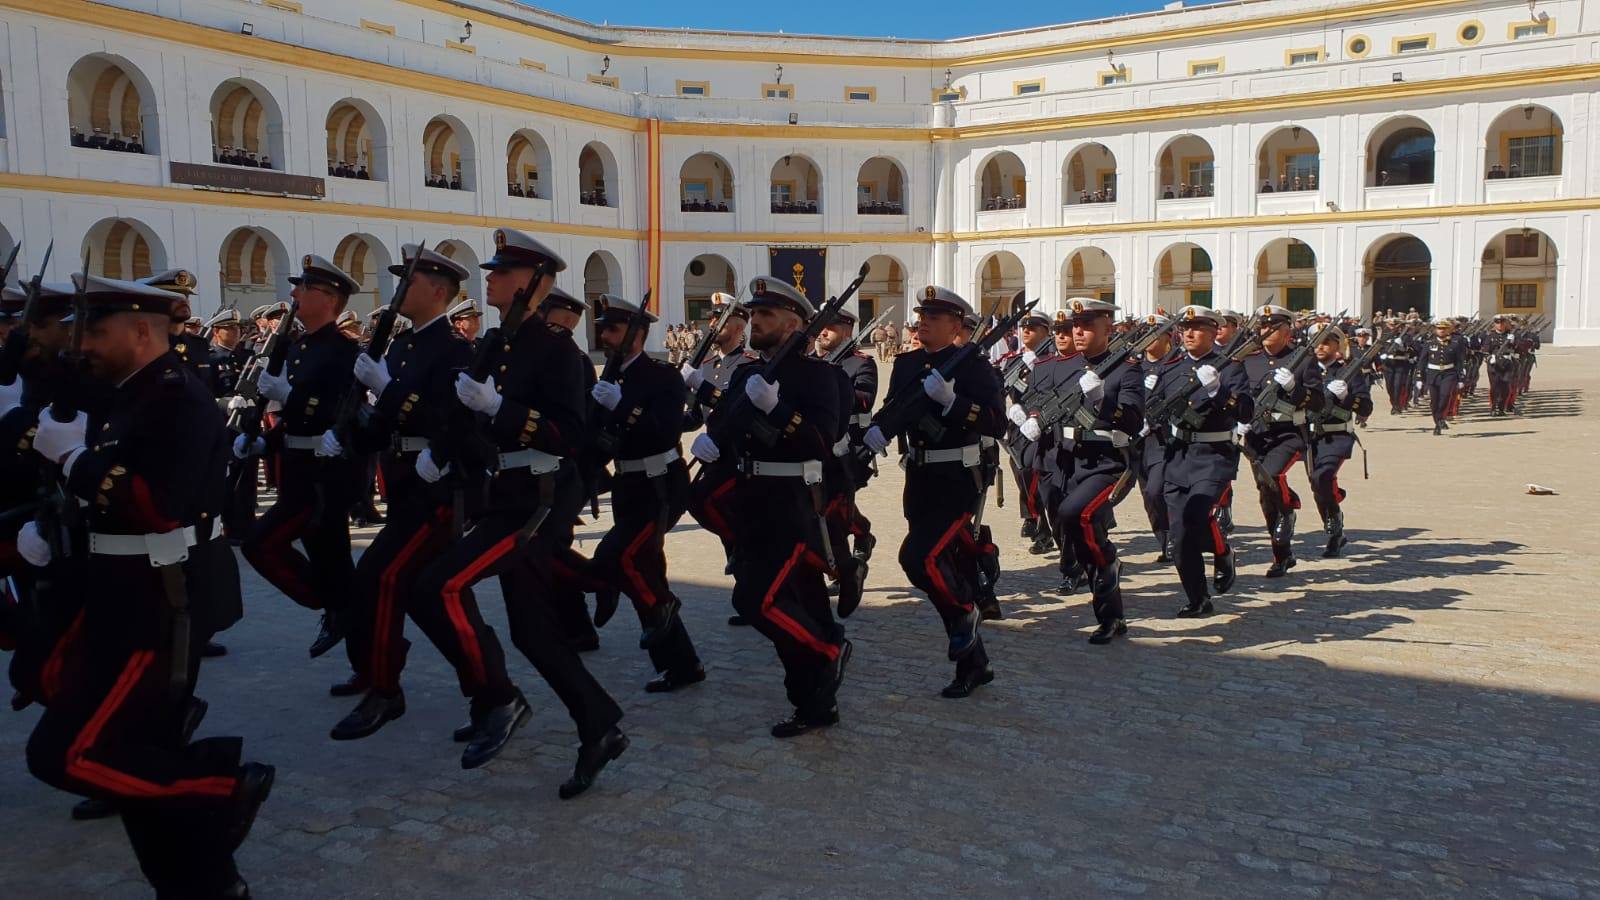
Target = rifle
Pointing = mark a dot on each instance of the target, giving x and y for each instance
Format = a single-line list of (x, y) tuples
[(910, 408), (1270, 393), (605, 439), (1072, 405), (16, 345), (1176, 405), (59, 514), (844, 350), (703, 348), (355, 398), (732, 424), (11, 261), (247, 420)]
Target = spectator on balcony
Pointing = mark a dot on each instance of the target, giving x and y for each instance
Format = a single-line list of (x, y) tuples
[(1283, 181), (1383, 177), (1516, 171), (455, 182), (1297, 185), (1266, 186)]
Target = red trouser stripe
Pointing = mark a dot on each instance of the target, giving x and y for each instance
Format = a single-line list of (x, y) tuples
[(458, 614), (1219, 541), (1086, 523), (931, 564), (1283, 483), (386, 592), (274, 547), (714, 519), (641, 587), (1030, 496), (121, 783), (781, 619), (1227, 496), (50, 677)]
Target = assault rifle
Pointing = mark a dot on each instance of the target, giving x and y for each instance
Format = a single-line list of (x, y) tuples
[(844, 350), (734, 423), (703, 348), (350, 407), (605, 439), (1176, 405), (910, 408), (16, 346), (11, 261), (59, 514), (1071, 406), (1270, 392), (246, 419)]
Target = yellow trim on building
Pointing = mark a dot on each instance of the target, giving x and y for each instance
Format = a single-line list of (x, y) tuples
[(1548, 23), (1109, 77), (534, 64), (1538, 288), (1199, 63), (461, 46), (1290, 54), (1461, 33), (609, 81), (285, 5), (1017, 87), (378, 27)]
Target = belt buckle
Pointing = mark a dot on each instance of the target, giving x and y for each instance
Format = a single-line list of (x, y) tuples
[(167, 549), (655, 466)]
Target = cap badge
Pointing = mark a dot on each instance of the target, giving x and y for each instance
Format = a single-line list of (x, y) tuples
[(184, 279), (760, 289), (306, 262), (930, 293), (499, 239), (1077, 306)]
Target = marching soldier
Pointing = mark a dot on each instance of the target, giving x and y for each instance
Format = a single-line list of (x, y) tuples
[(641, 417), (190, 347), (1274, 439), (1439, 368), (1333, 437), (314, 493), (148, 466), (1051, 468), (943, 481), (467, 318), (1152, 451), (843, 471), (1201, 456), (229, 355), (1399, 359), (778, 435), (1027, 469), (1232, 321), (1504, 363)]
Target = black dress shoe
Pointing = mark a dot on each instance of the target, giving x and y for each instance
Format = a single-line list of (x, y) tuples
[(605, 606), (495, 727), (1197, 610), (670, 681), (584, 643), (989, 607), (1030, 527), (964, 634), (212, 650), (249, 792), (738, 621), (1042, 544), (92, 808), (464, 733), (801, 722), (1108, 630), (852, 584), (329, 634), (591, 759), (350, 687), (1224, 573), (1072, 582), (964, 685), (1335, 546), (373, 712), (864, 544), (1281, 566), (663, 620)]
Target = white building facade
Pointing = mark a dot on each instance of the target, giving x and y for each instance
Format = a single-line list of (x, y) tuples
[(1428, 154)]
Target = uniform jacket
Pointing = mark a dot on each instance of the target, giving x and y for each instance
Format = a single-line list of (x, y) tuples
[(419, 402), (978, 410), (1306, 398), (1356, 404), (1450, 353), (1121, 408), (1190, 464), (718, 371)]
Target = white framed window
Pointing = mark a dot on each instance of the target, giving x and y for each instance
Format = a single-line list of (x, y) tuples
[(778, 91), (1521, 31), (1204, 67), (1303, 56)]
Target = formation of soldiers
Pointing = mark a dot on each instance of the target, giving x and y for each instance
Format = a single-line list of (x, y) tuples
[(136, 442)]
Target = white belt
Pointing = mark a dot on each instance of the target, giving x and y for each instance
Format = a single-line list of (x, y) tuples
[(861, 420), (810, 470), (409, 444), (986, 442), (1117, 438), (1201, 437), (649, 465), (969, 456), (534, 461), (163, 549), (1333, 428), (1298, 417), (1444, 368), (302, 441)]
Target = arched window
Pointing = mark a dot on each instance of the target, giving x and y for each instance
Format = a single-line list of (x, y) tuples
[(1002, 183), (1187, 170), (1090, 176), (881, 188), (1524, 142), (1289, 160), (124, 249), (447, 155), (528, 166), (1400, 152), (705, 184), (246, 126), (795, 187), (110, 106), (357, 145), (597, 176)]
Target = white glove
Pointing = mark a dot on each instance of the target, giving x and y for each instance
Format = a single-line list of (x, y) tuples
[(10, 395), (32, 546), (276, 387), (427, 470), (54, 440), (374, 373), (875, 441), (692, 377), (1144, 430), (1461, 385), (1028, 356), (237, 402), (478, 396), (1017, 414), (1284, 378), (330, 446), (1338, 388), (1209, 379), (1031, 429), (1150, 381), (606, 394), (705, 449), (253, 448), (1091, 384), (1242, 429), (938, 390), (763, 393)]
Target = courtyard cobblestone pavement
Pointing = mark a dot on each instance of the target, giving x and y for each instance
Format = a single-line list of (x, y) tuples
[(1419, 718)]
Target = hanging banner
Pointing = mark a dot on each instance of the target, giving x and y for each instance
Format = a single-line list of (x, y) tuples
[(804, 267)]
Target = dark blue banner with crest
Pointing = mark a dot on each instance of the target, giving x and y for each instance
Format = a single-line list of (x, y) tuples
[(804, 267)]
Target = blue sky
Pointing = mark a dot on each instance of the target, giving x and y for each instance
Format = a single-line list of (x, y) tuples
[(881, 18)]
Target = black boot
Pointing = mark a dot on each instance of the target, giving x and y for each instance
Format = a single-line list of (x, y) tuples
[(864, 544), (802, 722), (1107, 603), (1042, 543), (1108, 630), (1071, 581), (963, 632), (966, 682), (495, 727), (1334, 525), (669, 681), (1030, 527), (349, 687), (1282, 560), (592, 757), (1196, 610), (1224, 573)]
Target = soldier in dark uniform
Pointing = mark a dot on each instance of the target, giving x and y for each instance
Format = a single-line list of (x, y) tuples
[(1399, 359), (1232, 321), (229, 355), (529, 413), (777, 437), (1100, 458), (1150, 450), (1333, 438), (1201, 456), (844, 473), (1026, 465), (1277, 441), (414, 412), (641, 417), (943, 481), (1051, 467), (190, 347), (156, 586), (1504, 358), (467, 318), (313, 493), (1439, 367)]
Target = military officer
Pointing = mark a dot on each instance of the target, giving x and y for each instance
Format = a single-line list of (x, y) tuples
[(1151, 450), (1027, 468), (467, 318), (1399, 358), (773, 442), (1274, 439), (1333, 436), (1201, 456), (943, 481), (190, 347), (1504, 356), (148, 466), (1439, 368), (844, 473), (1050, 462), (229, 355)]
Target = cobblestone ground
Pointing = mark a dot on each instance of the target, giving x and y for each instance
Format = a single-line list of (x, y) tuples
[(1419, 718)]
